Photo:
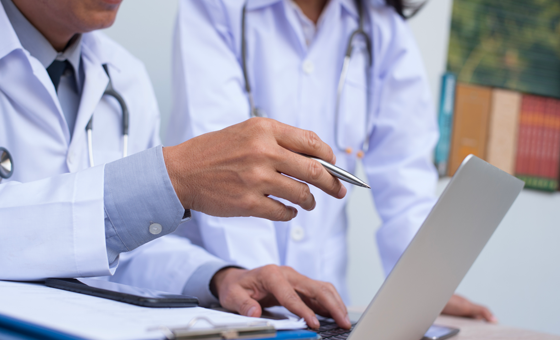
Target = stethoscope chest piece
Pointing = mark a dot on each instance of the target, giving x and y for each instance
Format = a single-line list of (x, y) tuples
[(6, 164)]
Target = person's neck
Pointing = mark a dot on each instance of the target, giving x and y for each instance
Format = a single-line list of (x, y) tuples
[(55, 32), (312, 8)]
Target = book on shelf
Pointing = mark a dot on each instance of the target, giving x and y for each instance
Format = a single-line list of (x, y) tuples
[(445, 122), (538, 148), (470, 124), (505, 56), (502, 129)]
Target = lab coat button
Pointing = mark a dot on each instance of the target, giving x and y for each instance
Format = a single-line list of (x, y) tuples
[(297, 233), (155, 228), (308, 67)]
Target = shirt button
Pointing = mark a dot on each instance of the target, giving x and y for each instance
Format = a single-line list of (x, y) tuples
[(297, 233), (155, 228), (308, 67)]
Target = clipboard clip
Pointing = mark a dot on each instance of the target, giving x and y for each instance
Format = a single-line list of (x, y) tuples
[(251, 330)]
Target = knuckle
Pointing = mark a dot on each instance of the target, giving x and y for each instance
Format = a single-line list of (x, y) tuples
[(257, 178), (262, 152), (290, 298), (281, 214), (313, 140), (288, 269), (315, 170), (249, 203), (326, 288), (303, 195), (263, 124), (270, 271)]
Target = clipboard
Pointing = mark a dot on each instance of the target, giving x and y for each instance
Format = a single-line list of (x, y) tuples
[(253, 330), (35, 311)]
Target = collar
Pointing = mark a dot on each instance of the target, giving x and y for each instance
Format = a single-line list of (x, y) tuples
[(38, 46), (350, 6), (8, 40)]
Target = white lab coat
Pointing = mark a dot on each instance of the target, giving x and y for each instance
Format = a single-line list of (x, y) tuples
[(51, 209), (296, 84)]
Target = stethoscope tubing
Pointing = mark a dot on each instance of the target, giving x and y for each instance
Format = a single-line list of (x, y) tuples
[(111, 92)]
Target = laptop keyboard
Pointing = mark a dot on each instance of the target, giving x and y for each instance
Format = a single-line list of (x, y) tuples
[(329, 330)]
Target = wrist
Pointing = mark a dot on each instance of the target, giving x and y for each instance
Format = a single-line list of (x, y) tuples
[(174, 169)]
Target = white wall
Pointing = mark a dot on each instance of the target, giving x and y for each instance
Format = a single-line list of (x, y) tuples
[(517, 275), (145, 29)]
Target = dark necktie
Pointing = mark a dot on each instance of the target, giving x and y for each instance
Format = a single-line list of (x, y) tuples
[(56, 69)]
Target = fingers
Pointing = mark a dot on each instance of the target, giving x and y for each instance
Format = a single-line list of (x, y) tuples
[(459, 306), (312, 172), (294, 191), (271, 209), (323, 293), (274, 282), (303, 141), (237, 299), (483, 313)]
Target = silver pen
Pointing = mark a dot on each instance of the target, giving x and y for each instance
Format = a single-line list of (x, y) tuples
[(340, 173)]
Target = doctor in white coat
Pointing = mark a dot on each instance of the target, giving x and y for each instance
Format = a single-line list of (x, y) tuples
[(286, 59), (61, 216)]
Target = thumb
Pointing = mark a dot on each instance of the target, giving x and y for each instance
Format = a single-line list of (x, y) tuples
[(238, 300)]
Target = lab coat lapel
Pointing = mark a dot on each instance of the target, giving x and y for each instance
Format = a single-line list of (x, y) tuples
[(95, 83), (16, 78)]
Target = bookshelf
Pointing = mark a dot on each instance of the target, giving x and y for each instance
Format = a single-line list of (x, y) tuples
[(500, 95)]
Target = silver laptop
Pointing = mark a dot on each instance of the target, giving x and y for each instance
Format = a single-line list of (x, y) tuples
[(438, 258)]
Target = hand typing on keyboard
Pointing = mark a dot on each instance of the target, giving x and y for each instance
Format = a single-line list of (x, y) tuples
[(248, 291)]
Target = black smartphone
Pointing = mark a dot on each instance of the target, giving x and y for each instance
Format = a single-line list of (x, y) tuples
[(440, 332), (124, 293)]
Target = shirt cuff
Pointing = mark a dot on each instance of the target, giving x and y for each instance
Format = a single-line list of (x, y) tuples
[(140, 202), (199, 283)]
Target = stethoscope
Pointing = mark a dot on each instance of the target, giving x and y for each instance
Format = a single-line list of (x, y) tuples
[(6, 160), (109, 91), (257, 112)]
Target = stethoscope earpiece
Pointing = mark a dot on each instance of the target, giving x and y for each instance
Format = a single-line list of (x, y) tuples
[(6, 164)]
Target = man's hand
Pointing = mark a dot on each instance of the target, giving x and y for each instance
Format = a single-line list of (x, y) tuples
[(459, 306), (248, 291), (232, 172)]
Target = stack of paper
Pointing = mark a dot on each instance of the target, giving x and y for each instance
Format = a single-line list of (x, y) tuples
[(97, 318)]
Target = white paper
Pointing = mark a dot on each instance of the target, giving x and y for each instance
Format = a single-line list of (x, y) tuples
[(97, 318)]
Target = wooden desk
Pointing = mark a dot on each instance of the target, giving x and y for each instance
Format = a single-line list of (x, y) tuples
[(475, 329), (479, 330)]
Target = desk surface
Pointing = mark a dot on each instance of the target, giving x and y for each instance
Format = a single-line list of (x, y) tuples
[(479, 330), (475, 329)]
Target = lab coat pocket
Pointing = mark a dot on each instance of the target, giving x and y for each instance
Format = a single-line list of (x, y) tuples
[(354, 101), (352, 114)]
